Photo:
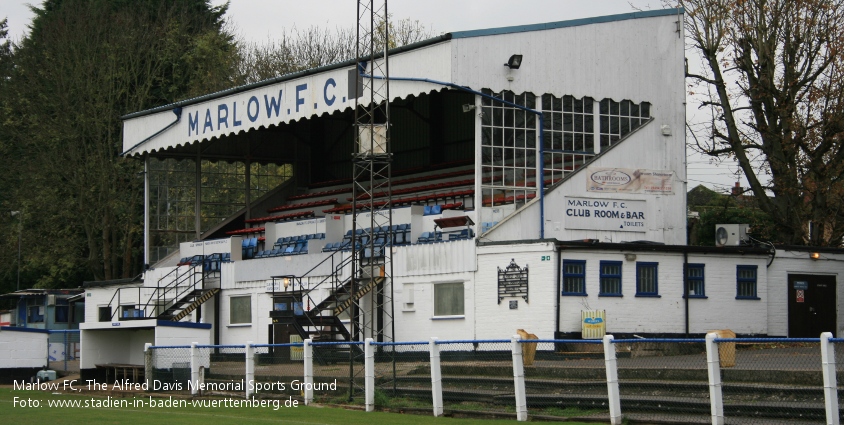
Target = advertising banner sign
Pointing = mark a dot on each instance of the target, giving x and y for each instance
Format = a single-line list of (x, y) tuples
[(630, 180)]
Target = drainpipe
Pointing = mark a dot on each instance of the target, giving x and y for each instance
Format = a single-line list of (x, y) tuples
[(557, 295), (495, 99)]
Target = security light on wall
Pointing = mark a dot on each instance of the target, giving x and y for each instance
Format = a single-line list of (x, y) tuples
[(514, 62), (467, 107)]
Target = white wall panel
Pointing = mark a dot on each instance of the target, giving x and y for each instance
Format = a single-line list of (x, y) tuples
[(19, 349)]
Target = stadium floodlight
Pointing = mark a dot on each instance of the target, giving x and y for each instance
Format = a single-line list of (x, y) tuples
[(514, 62)]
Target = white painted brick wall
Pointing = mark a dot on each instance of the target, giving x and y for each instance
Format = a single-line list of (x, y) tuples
[(22, 349), (631, 314), (496, 320)]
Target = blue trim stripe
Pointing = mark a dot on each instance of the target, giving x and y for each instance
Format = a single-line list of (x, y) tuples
[(183, 324), (566, 24)]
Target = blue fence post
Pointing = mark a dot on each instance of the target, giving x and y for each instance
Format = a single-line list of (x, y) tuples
[(518, 380), (714, 376), (612, 375), (831, 402), (66, 348), (436, 377), (308, 370), (369, 375)]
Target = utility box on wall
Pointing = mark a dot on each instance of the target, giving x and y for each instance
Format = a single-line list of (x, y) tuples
[(592, 324)]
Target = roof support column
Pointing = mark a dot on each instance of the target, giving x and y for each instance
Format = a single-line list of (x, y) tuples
[(247, 197), (198, 193), (146, 211)]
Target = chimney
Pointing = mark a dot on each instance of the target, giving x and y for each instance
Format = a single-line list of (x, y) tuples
[(736, 190)]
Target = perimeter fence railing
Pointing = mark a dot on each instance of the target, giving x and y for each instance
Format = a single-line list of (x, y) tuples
[(63, 350), (710, 380)]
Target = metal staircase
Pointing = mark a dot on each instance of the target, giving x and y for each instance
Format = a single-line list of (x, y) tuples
[(175, 296)]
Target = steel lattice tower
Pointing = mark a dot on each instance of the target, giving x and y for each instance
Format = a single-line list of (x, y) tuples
[(372, 225)]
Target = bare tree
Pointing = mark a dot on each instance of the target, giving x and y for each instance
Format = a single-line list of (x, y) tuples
[(301, 49), (773, 84)]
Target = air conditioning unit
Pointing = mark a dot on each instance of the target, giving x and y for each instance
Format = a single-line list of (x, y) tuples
[(51, 300), (731, 234)]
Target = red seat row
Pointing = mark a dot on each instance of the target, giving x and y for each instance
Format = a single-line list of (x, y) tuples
[(284, 217), (305, 205), (398, 173), (246, 231), (436, 186)]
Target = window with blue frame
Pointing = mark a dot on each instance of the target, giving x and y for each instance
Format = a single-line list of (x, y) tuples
[(695, 280), (746, 282), (574, 277), (647, 280), (610, 279)]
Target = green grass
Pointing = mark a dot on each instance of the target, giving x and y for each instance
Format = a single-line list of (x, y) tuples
[(190, 415)]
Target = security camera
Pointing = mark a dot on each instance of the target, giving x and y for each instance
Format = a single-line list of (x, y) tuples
[(468, 107)]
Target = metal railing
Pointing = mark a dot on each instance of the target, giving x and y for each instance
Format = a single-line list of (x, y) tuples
[(711, 380), (161, 297)]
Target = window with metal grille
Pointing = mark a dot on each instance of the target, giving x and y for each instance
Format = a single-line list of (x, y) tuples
[(508, 151), (746, 282), (610, 279), (568, 134), (695, 280), (573, 277), (647, 280), (616, 119)]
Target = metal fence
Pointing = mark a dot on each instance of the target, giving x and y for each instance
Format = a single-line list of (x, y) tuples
[(63, 350), (712, 380)]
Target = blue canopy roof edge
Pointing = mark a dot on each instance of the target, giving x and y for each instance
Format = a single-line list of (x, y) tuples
[(569, 23), (409, 47)]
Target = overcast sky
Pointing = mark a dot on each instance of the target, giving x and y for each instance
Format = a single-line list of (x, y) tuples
[(260, 20)]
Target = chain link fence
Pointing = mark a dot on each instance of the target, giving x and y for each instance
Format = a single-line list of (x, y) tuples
[(338, 372), (663, 379), (760, 381), (169, 369), (565, 379), (403, 376), (63, 350), (771, 380), (279, 369), (477, 376), (222, 369)]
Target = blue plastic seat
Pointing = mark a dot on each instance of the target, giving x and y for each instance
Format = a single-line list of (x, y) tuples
[(436, 209), (427, 210)]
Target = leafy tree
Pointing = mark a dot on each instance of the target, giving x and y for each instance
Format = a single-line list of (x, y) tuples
[(83, 65), (773, 84), (714, 208)]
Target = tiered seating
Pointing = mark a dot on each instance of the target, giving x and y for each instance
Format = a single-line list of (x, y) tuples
[(290, 245), (429, 237), (248, 247), (400, 236)]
